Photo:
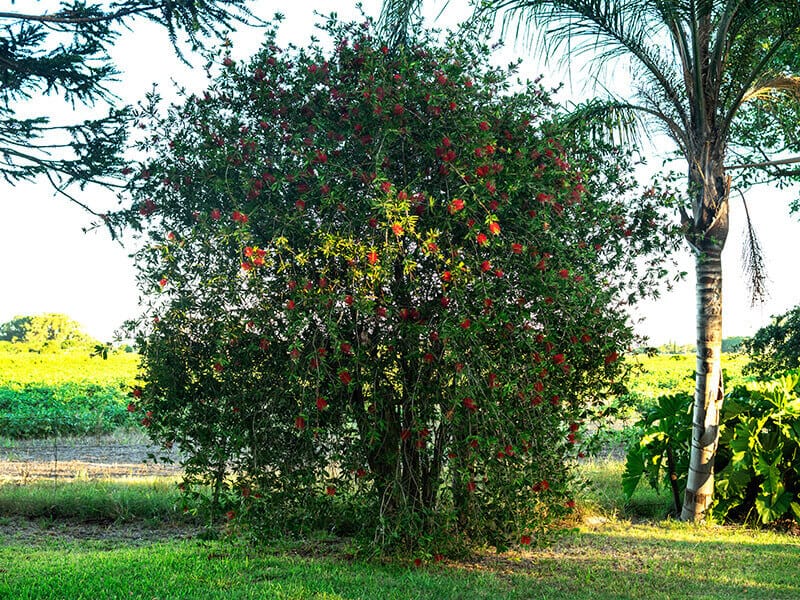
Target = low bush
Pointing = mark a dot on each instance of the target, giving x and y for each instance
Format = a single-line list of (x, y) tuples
[(40, 411)]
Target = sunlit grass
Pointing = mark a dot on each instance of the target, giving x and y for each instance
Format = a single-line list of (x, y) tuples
[(615, 549)]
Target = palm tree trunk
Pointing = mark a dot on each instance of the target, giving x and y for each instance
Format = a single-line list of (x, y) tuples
[(708, 386)]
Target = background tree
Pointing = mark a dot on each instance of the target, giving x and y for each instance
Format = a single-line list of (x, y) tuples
[(47, 331), (381, 274), (695, 65), (64, 52), (775, 348)]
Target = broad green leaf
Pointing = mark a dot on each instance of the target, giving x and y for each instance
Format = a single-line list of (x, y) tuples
[(634, 469)]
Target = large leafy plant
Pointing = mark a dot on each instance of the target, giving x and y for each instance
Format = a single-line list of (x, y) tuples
[(759, 458), (380, 274), (661, 454)]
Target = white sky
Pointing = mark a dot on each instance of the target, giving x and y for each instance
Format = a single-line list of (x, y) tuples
[(47, 264)]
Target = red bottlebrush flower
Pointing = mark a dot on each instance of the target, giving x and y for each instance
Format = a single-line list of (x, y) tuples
[(545, 485), (372, 257), (490, 187), (501, 455), (290, 305), (246, 492), (386, 187), (563, 273), (381, 311), (474, 444), (344, 377), (433, 247), (361, 473), (438, 558), (162, 282), (456, 204), (610, 358), (137, 392), (263, 343), (509, 450), (449, 156), (215, 214), (570, 503), (494, 228), (428, 358), (498, 273), (571, 438), (574, 427), (482, 171), (445, 301), (348, 300), (487, 303), (525, 540), (486, 266), (300, 205), (555, 400), (330, 490), (452, 455), (239, 217), (295, 353), (471, 486), (484, 126), (131, 407), (447, 276), (459, 367), (248, 251), (417, 562), (322, 404), (536, 400), (405, 434), (218, 367), (398, 109), (300, 422), (230, 515), (465, 324), (558, 359), (345, 348), (246, 266), (481, 238), (469, 404), (493, 383), (516, 248)]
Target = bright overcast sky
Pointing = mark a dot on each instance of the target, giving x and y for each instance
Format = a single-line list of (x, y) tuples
[(49, 265)]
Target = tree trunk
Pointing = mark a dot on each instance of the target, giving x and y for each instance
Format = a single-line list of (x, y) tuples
[(707, 235), (708, 386)]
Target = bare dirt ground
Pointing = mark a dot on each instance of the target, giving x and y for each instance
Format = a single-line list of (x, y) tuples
[(113, 456)]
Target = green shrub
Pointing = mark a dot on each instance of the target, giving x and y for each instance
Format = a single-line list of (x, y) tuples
[(758, 463), (758, 460), (40, 411), (381, 275), (774, 348)]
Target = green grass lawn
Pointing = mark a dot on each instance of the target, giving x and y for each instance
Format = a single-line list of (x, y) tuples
[(617, 549)]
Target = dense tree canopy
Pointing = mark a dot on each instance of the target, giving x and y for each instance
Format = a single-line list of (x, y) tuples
[(383, 274)]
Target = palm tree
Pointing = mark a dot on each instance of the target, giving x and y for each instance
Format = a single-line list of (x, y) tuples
[(695, 64)]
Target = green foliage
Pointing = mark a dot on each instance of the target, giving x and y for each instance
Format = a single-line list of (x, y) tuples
[(775, 348), (381, 275), (63, 392), (661, 454), (70, 409), (46, 332), (757, 464), (759, 458)]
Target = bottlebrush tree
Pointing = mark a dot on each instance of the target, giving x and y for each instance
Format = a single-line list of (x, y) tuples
[(381, 274)]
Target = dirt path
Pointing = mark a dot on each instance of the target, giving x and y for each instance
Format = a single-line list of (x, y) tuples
[(114, 456)]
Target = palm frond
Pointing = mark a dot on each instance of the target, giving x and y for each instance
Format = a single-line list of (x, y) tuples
[(605, 30), (396, 19), (755, 271), (769, 88)]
